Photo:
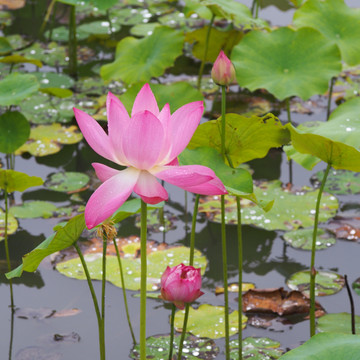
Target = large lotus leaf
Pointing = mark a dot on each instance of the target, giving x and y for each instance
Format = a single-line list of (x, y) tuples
[(47, 139), (18, 59), (305, 160), (176, 94), (54, 80), (246, 138), (338, 22), (16, 87), (141, 30), (208, 321), (326, 283), (64, 237), (100, 4), (67, 181), (11, 180), (157, 348), (157, 262), (337, 323), (302, 239), (286, 62), (290, 210), (327, 346), (177, 20), (347, 110), (34, 209), (12, 224), (129, 16), (14, 131), (138, 60), (218, 40), (256, 349), (51, 54)]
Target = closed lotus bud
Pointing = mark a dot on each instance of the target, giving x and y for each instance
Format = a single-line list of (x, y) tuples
[(223, 71), (181, 284)]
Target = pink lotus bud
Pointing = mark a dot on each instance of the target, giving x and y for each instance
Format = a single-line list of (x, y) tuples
[(181, 284), (223, 71)]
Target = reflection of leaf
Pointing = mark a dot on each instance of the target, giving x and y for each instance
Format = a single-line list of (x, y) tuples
[(338, 323)]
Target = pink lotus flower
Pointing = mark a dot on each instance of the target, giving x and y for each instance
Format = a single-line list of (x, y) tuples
[(181, 284), (223, 71), (148, 144)]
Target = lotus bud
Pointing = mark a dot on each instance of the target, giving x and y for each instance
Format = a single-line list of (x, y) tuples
[(223, 71)]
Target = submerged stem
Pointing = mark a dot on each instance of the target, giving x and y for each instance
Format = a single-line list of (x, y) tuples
[(313, 249), (172, 320)]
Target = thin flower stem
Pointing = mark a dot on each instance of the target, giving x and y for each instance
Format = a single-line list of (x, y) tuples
[(143, 236), (191, 263), (352, 307), (11, 333), (124, 290), (47, 17), (96, 304), (103, 286), (257, 9), (223, 121), (331, 87), (288, 110), (172, 331), (240, 256), (72, 43), (205, 53), (313, 249)]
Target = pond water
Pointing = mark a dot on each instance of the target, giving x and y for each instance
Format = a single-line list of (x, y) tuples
[(268, 261)]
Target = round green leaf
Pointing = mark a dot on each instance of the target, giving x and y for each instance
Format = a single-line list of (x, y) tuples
[(256, 349), (34, 209), (16, 87), (338, 22), (53, 80), (208, 321), (138, 60), (51, 54), (356, 286), (14, 131), (302, 239), (326, 283), (337, 323), (327, 346), (286, 62), (12, 224), (347, 110), (5, 46), (143, 29), (11, 180), (129, 16), (67, 181), (157, 348)]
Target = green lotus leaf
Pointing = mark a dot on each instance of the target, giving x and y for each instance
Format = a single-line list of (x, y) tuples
[(47, 139), (302, 239), (14, 131), (338, 22), (286, 62), (176, 94), (63, 238), (246, 138), (290, 210), (61, 93), (156, 264), (337, 323), (12, 224), (129, 16), (327, 346), (54, 80), (256, 349), (208, 321), (34, 209), (5, 46), (218, 40), (356, 286), (16, 87), (157, 347), (305, 160), (142, 30), (51, 54), (326, 283), (18, 59), (67, 181), (347, 110), (177, 20), (11, 180), (138, 60)]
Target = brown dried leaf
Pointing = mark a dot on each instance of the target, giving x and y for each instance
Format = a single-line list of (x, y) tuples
[(11, 4), (347, 228)]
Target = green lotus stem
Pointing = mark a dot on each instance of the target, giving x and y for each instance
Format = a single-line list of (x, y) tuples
[(331, 87), (143, 236), (191, 263), (313, 249), (240, 256), (172, 331), (47, 16), (257, 9), (288, 110), (11, 333), (72, 42), (223, 121), (201, 70), (352, 307), (53, 18), (124, 290), (103, 286), (96, 304)]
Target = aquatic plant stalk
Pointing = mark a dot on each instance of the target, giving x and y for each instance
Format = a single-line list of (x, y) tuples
[(11, 333), (313, 249), (47, 16), (352, 307), (201, 70), (96, 304), (331, 87), (72, 42), (172, 331), (240, 269), (124, 290), (143, 236), (191, 263), (288, 110), (290, 160), (103, 286)]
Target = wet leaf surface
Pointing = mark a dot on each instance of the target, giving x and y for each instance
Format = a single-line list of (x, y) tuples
[(302, 239), (338, 323), (69, 182), (157, 223), (35, 209), (345, 227), (326, 283), (12, 224), (235, 288), (356, 286), (208, 321)]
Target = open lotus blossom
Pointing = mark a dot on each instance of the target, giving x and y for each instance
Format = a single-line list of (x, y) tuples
[(181, 284), (148, 144)]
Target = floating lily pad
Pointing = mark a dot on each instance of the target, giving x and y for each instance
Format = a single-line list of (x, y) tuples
[(54, 80), (326, 283), (129, 16), (338, 323), (34, 209), (47, 139), (5, 46), (18, 59), (138, 60), (177, 20), (143, 29), (291, 209), (12, 224), (282, 73), (51, 54), (302, 239), (208, 321), (235, 288), (356, 286), (337, 21), (345, 227), (157, 348), (256, 349), (67, 181)]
